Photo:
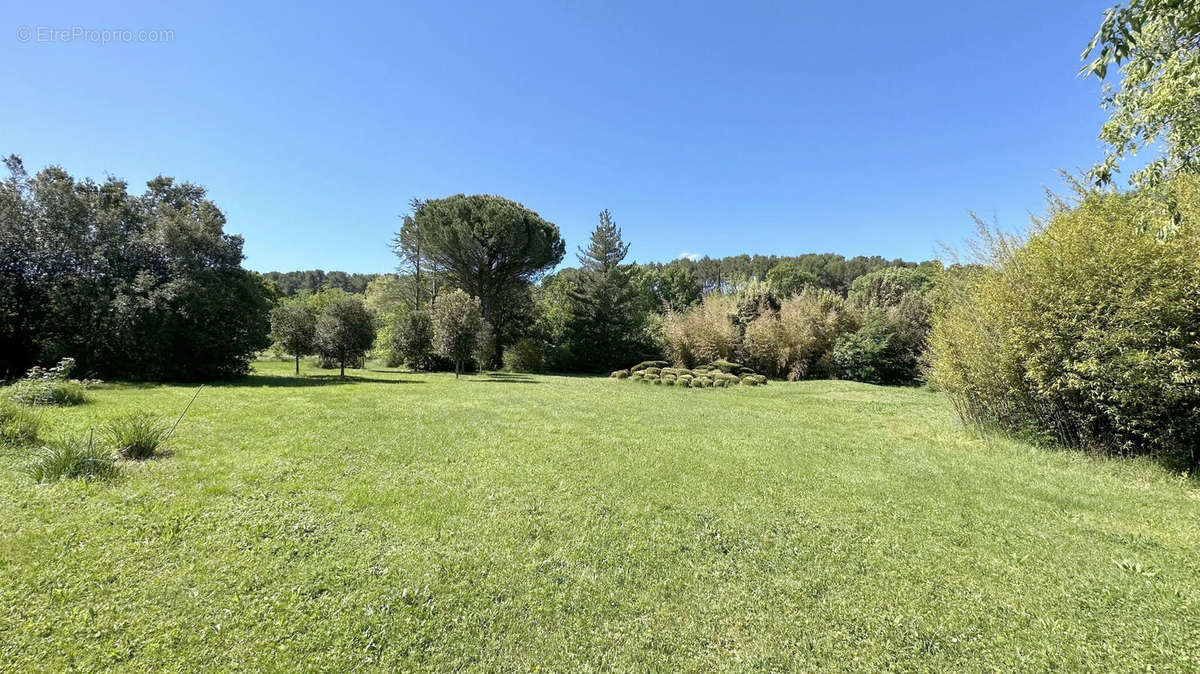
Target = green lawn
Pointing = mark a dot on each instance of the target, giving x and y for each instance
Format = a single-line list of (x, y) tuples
[(518, 523)]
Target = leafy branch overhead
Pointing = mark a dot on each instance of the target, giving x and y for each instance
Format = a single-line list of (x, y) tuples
[(1156, 46)]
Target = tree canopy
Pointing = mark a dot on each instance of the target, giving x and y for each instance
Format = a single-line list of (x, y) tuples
[(145, 286), (490, 246), (605, 318), (458, 327), (345, 331), (1156, 45)]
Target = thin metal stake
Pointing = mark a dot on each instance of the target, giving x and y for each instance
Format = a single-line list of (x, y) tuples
[(189, 406)]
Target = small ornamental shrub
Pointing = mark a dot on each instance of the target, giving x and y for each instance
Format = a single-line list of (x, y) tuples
[(726, 366), (524, 356), (649, 364), (685, 379), (137, 435), (653, 370), (72, 458), (53, 386), (620, 374), (636, 374), (18, 424)]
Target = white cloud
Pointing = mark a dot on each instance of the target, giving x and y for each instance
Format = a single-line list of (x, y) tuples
[(689, 256)]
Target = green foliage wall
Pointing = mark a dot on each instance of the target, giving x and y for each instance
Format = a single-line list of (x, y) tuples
[(142, 286), (1088, 332)]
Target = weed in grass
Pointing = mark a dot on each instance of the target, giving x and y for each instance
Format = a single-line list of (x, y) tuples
[(72, 458), (137, 435), (18, 425), (48, 392)]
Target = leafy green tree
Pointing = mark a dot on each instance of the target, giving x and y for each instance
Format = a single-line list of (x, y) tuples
[(605, 320), (888, 286), (145, 286), (458, 327), (677, 287), (345, 331), (491, 248), (789, 278), (412, 339), (1156, 45), (293, 327)]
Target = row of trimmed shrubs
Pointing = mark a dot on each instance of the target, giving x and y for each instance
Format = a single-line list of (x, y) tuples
[(718, 374)]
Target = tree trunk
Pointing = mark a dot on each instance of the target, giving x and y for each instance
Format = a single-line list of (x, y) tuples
[(297, 365), (457, 367), (343, 362)]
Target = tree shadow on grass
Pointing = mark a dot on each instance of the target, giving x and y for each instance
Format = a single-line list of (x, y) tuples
[(504, 378), (268, 380)]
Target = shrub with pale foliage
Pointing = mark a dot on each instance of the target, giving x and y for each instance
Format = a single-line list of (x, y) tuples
[(797, 341), (1088, 331), (703, 333)]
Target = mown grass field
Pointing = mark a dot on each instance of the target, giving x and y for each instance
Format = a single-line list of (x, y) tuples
[(525, 523)]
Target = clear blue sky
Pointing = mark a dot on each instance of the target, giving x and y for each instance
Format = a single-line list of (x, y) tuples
[(788, 127)]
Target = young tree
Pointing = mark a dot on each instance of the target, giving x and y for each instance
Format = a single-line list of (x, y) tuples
[(491, 247), (412, 339), (293, 327), (457, 327), (605, 320), (345, 331)]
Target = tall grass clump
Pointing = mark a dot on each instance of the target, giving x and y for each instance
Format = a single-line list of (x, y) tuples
[(797, 341), (72, 458), (702, 333), (18, 424), (1087, 331), (137, 435)]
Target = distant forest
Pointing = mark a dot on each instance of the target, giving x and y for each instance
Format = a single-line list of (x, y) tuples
[(833, 271)]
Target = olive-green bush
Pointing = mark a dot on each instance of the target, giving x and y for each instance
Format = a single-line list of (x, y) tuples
[(620, 374), (1088, 331), (523, 356)]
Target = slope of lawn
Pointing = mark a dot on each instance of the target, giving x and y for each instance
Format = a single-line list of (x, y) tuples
[(509, 522)]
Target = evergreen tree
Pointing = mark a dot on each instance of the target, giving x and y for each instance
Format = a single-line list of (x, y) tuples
[(605, 318)]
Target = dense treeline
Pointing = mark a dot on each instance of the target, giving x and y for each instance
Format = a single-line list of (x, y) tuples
[(140, 286), (604, 312), (292, 283)]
